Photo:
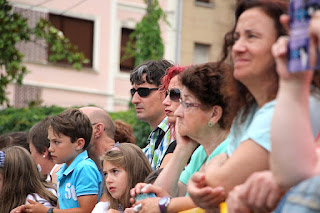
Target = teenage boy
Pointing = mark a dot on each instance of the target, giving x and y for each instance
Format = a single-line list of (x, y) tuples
[(147, 99), (79, 178)]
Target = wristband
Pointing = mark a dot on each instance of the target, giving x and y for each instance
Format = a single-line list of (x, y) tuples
[(50, 210)]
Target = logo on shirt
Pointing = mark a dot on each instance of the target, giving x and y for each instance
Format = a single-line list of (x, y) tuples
[(70, 192)]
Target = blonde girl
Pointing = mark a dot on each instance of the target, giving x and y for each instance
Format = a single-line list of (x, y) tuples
[(124, 166)]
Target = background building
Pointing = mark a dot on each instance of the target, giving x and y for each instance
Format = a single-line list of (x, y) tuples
[(101, 28)]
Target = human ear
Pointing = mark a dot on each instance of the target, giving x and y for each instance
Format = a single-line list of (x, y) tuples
[(98, 130), (80, 144), (216, 114)]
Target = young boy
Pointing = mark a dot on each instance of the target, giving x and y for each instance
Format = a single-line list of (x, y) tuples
[(79, 178)]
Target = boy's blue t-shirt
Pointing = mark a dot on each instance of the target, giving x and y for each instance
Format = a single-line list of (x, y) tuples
[(81, 178)]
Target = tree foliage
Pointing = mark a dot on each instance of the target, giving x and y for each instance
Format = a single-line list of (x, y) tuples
[(14, 29), (22, 119), (145, 43)]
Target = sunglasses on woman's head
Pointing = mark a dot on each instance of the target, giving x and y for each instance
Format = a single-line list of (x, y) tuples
[(174, 94), (142, 91)]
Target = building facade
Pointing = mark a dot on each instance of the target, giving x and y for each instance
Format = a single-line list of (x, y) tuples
[(101, 28)]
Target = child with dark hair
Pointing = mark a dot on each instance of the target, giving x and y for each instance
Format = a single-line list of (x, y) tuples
[(79, 178), (39, 148)]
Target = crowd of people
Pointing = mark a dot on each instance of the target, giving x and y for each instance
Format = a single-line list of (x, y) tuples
[(242, 131)]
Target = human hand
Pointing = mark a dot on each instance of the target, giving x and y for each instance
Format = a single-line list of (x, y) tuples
[(205, 196), (149, 205), (147, 188), (234, 201), (279, 51), (19, 209), (259, 193), (35, 207), (129, 210), (113, 211), (314, 32), (184, 141)]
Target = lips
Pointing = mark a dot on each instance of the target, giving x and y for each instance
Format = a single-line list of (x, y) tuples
[(168, 112), (111, 189), (240, 61), (138, 108)]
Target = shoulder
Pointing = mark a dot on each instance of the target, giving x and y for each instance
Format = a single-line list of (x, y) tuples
[(86, 166)]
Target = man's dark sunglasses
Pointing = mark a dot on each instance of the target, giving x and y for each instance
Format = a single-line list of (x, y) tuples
[(174, 94), (142, 91)]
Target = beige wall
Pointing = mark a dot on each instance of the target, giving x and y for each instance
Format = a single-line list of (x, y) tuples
[(205, 24)]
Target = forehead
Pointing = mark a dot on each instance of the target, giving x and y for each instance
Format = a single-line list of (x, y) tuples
[(254, 19), (107, 165), (186, 93), (52, 134), (175, 82)]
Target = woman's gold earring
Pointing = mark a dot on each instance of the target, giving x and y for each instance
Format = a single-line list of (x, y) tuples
[(210, 124)]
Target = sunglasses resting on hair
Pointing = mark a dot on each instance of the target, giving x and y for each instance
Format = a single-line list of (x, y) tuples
[(142, 91)]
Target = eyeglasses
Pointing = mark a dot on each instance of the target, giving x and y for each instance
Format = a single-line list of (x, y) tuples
[(142, 91), (174, 94), (188, 105)]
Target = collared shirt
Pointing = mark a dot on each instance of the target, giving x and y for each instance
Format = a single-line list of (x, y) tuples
[(80, 178), (162, 135)]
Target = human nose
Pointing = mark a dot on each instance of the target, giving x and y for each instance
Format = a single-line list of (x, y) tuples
[(179, 112), (109, 179), (166, 101), (135, 98), (50, 149), (239, 46)]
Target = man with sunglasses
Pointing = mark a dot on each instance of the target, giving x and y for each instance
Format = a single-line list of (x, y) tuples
[(147, 99)]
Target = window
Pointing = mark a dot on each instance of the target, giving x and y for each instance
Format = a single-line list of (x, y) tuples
[(79, 31), (128, 64), (203, 1), (201, 53)]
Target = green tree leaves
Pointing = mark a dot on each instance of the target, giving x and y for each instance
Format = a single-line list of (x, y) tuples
[(145, 42), (14, 29)]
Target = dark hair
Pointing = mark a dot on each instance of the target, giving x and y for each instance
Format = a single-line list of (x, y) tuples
[(38, 136), (124, 132), (74, 124), (154, 71), (170, 73), (213, 84), (151, 178), (14, 139)]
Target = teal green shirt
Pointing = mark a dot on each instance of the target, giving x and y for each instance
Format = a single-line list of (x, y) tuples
[(198, 158)]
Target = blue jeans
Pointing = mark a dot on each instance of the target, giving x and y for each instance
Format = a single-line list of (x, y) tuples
[(302, 198)]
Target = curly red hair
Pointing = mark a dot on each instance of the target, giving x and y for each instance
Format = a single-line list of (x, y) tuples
[(170, 73)]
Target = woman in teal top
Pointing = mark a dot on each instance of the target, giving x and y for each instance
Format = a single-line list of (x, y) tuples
[(207, 108)]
